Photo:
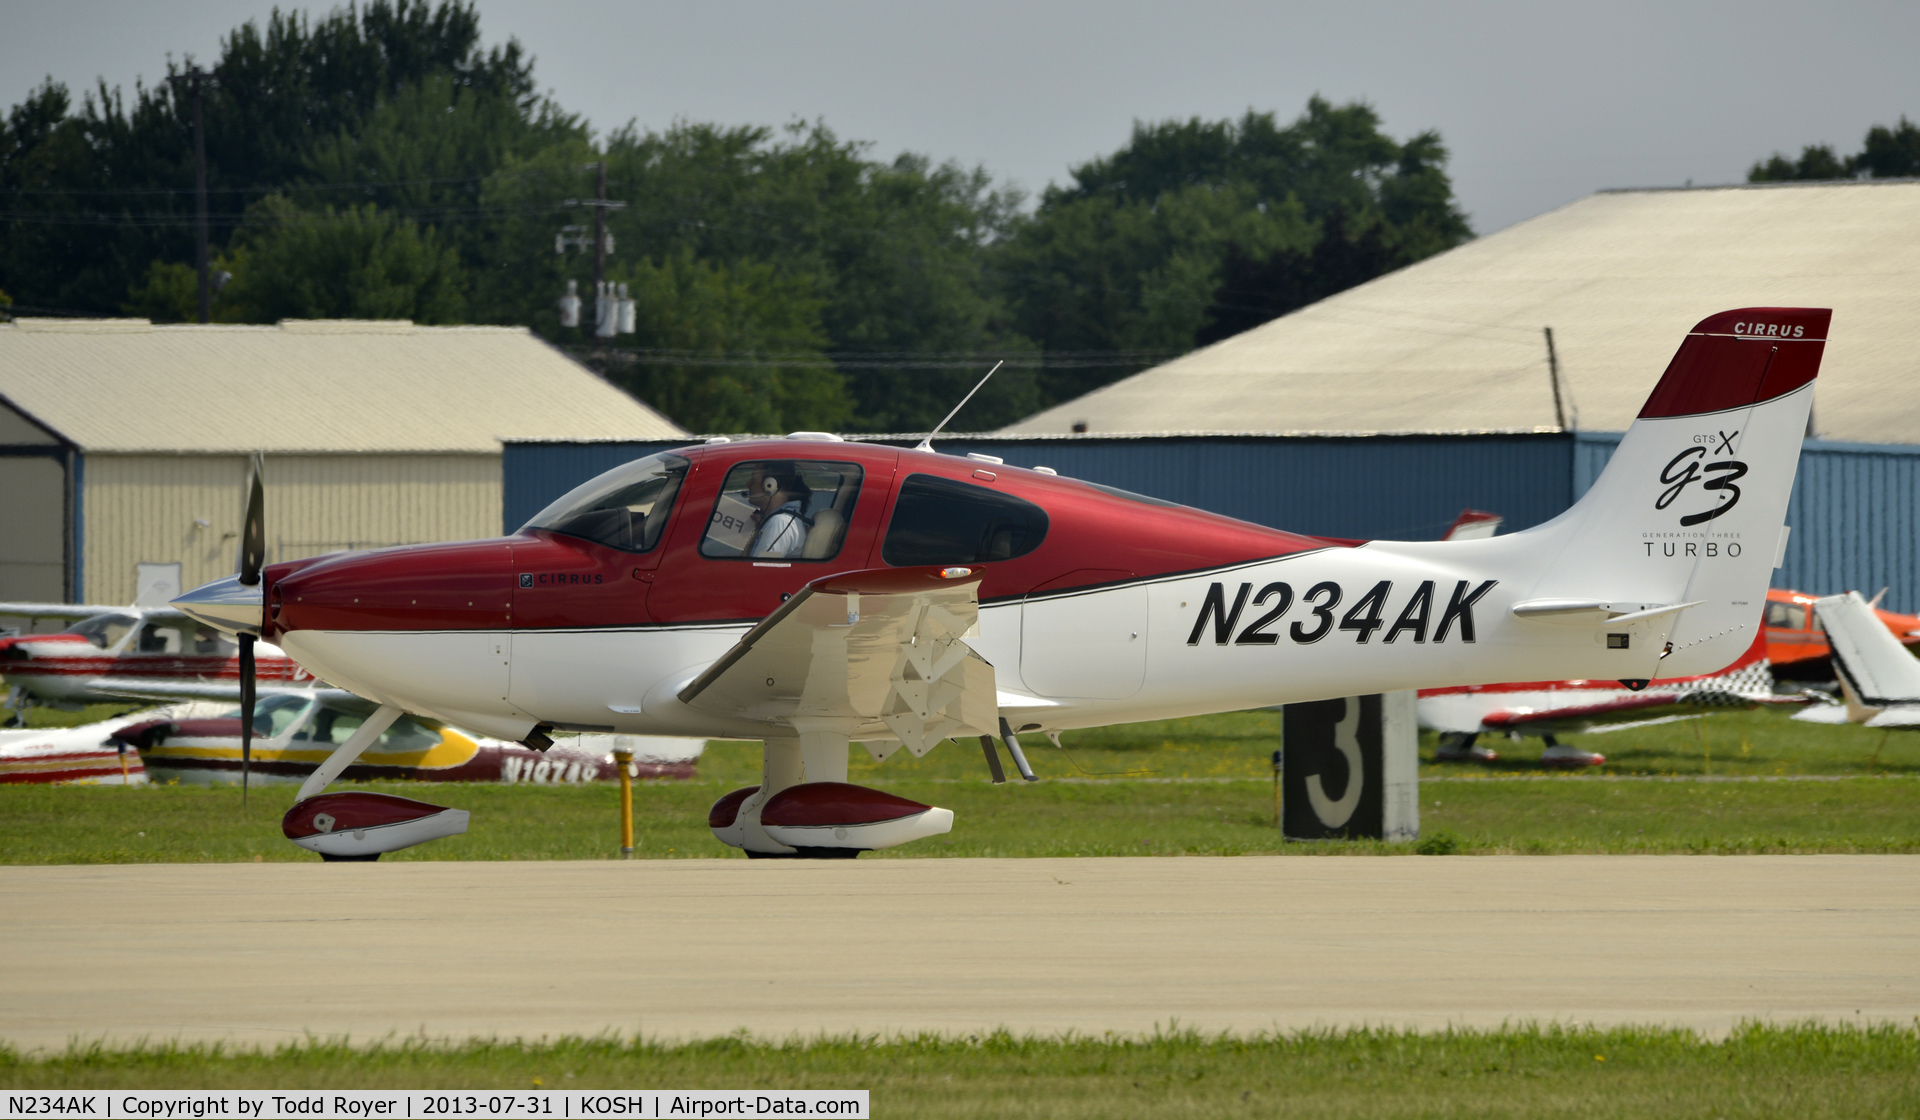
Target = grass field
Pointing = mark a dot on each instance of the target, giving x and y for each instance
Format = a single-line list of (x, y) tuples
[(1734, 783), (1200, 786), (1805, 1071)]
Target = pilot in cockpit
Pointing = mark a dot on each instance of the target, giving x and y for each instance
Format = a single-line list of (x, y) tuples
[(780, 498)]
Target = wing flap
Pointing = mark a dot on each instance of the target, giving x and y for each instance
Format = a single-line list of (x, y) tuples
[(879, 653)]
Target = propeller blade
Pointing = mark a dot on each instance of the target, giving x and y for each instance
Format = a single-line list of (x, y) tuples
[(253, 529), (246, 715)]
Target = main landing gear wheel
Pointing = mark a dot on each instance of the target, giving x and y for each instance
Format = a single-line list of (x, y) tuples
[(1458, 746), (1559, 756)]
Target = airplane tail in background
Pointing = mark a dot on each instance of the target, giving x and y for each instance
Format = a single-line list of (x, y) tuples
[(1876, 669), (1678, 538)]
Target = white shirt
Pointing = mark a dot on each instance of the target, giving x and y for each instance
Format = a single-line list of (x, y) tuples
[(782, 535)]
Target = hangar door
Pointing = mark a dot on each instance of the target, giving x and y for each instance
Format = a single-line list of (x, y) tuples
[(33, 554)]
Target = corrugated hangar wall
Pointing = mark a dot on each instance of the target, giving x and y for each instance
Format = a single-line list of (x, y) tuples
[(186, 508), (1855, 510)]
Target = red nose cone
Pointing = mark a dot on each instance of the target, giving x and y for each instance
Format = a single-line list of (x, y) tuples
[(464, 586)]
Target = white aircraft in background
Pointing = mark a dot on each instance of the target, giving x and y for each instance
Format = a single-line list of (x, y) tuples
[(117, 653), (1879, 677), (1550, 708), (914, 596)]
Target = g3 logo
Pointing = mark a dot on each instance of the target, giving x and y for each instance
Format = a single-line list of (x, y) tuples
[(1686, 468)]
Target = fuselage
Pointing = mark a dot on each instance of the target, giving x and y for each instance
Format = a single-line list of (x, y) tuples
[(131, 648), (1116, 608)]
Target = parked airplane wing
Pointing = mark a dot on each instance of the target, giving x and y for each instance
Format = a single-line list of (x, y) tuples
[(135, 688), (69, 612), (1625, 706), (877, 652)]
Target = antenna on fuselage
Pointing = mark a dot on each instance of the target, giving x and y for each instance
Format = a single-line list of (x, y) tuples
[(927, 443)]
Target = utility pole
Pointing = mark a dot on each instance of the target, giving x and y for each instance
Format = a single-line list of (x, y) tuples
[(613, 312), (196, 79), (1553, 372), (600, 227)]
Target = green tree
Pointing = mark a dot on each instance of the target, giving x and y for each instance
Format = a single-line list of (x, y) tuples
[(1887, 153), (98, 192), (1891, 153), (729, 349), (1197, 229), (355, 263), (1817, 161), (894, 252)]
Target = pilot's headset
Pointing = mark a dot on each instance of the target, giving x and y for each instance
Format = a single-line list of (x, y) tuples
[(776, 477)]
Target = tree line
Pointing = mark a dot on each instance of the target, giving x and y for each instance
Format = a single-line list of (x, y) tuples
[(379, 161), (1886, 153)]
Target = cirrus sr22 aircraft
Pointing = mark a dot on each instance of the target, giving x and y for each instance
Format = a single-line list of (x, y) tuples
[(914, 596)]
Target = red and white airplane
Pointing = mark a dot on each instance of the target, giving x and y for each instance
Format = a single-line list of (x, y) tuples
[(1549, 708), (810, 593), (111, 653)]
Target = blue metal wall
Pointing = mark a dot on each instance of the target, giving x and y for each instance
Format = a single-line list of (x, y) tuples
[(1855, 510), (1379, 488)]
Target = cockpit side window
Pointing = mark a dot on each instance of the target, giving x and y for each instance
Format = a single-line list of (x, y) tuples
[(160, 638), (625, 508), (944, 521), (335, 727), (782, 509)]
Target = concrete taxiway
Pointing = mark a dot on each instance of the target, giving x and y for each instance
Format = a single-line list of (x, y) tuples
[(270, 953)]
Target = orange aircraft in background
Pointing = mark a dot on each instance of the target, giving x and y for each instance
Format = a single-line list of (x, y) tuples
[(1797, 643)]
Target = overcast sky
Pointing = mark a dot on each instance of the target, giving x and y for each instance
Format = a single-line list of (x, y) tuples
[(1540, 103)]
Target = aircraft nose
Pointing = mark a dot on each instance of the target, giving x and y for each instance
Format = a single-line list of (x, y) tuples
[(464, 586), (225, 604)]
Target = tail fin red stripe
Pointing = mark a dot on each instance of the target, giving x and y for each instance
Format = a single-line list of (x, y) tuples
[(1739, 358)]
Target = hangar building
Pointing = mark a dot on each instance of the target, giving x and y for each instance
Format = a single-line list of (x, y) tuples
[(1455, 344), (124, 444)]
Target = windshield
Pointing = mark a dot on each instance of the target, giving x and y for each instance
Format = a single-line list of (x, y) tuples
[(626, 508), (104, 630)]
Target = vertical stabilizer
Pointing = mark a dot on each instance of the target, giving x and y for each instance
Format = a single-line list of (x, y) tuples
[(1692, 506)]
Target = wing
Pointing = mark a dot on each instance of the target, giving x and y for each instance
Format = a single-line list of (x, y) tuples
[(877, 653), (134, 688), (69, 612), (1574, 717), (1897, 715)]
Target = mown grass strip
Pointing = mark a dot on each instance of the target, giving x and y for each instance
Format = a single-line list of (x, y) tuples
[(190, 824), (1803, 1070)]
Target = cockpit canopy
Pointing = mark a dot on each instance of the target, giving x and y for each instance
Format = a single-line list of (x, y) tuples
[(625, 508)]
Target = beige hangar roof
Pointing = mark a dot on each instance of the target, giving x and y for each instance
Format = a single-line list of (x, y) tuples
[(1454, 342), (123, 385)]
